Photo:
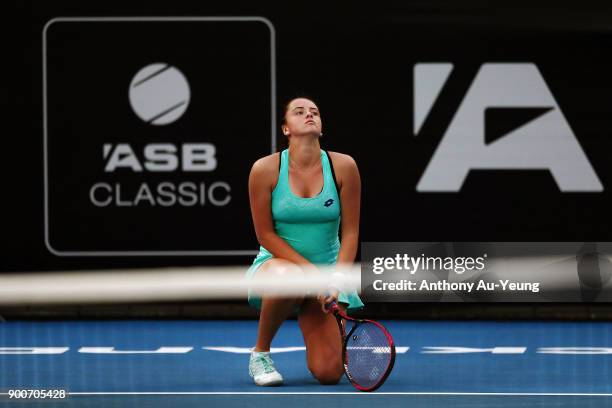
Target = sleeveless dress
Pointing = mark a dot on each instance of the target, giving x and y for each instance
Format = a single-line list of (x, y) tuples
[(309, 225)]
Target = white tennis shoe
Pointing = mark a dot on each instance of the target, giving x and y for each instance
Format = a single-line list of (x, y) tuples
[(261, 368)]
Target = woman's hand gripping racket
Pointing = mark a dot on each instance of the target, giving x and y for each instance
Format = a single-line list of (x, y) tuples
[(368, 351)]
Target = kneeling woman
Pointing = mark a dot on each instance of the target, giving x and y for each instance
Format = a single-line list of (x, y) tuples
[(300, 198)]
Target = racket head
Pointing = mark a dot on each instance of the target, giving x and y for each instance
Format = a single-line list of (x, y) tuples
[(368, 352)]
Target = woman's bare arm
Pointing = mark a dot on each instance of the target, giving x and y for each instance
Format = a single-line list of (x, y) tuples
[(349, 183), (350, 200)]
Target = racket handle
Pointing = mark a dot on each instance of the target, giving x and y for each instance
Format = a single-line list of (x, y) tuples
[(332, 307)]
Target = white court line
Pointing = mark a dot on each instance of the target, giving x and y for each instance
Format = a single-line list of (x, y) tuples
[(529, 394)]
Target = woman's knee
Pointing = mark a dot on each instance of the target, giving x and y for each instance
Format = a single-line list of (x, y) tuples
[(268, 277), (327, 373), (280, 268)]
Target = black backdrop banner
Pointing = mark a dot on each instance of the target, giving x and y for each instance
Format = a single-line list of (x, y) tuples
[(142, 122)]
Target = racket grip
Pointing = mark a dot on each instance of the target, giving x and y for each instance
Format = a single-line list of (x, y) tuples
[(332, 307)]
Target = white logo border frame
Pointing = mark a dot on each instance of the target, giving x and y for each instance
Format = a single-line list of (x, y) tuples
[(56, 252)]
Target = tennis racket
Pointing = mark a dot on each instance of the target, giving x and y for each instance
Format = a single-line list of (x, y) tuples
[(368, 351)]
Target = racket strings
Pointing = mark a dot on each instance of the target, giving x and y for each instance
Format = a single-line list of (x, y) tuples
[(368, 354)]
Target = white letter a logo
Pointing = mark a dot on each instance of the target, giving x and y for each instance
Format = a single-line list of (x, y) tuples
[(546, 142)]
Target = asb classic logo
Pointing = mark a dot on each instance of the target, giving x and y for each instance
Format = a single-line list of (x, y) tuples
[(159, 95), (544, 141)]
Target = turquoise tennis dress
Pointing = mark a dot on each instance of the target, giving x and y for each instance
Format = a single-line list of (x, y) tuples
[(309, 225)]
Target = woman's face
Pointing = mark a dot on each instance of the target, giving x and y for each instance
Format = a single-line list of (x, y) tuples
[(302, 117)]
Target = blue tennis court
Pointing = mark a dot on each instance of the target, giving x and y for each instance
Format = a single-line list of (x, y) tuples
[(204, 363)]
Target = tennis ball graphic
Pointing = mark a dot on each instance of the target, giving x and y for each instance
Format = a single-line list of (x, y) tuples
[(159, 94)]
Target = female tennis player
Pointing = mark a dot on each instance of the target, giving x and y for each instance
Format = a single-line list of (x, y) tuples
[(300, 198)]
